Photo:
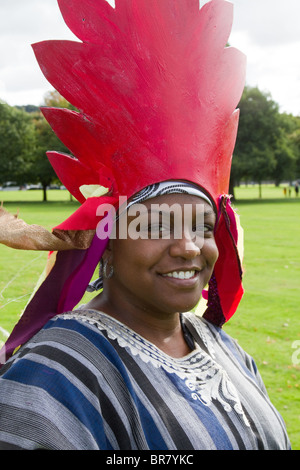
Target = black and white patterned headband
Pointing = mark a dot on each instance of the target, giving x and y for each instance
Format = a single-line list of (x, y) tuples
[(168, 187)]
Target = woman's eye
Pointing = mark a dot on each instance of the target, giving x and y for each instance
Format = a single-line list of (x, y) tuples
[(208, 228), (159, 229), (203, 229)]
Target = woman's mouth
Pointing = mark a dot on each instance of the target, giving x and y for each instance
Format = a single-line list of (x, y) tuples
[(180, 274)]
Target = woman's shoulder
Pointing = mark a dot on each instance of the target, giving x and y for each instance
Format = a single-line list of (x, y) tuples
[(65, 336), (54, 381)]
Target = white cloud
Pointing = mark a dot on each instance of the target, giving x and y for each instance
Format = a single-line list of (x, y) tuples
[(268, 22), (268, 32), (24, 22)]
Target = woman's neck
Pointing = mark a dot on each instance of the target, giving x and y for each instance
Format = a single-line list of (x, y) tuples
[(161, 329)]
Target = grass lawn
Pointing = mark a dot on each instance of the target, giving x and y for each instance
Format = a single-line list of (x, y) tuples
[(267, 324)]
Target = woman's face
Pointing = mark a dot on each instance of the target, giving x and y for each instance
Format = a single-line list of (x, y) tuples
[(159, 272)]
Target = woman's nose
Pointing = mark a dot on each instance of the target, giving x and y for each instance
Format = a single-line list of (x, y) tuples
[(187, 247)]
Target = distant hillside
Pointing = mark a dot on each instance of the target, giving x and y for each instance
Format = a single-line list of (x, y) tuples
[(29, 108)]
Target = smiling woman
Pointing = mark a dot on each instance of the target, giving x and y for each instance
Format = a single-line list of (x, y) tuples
[(134, 369)]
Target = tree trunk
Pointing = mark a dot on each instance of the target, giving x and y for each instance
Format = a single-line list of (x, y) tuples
[(45, 193)]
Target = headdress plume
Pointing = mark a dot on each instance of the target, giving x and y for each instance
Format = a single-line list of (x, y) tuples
[(157, 92)]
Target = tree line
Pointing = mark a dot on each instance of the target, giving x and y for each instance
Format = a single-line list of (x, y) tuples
[(267, 148), (25, 137), (268, 142)]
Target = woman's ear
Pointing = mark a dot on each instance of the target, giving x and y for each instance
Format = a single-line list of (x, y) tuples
[(107, 269), (108, 253)]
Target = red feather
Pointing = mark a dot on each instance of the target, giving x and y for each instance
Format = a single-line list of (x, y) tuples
[(156, 87), (72, 173)]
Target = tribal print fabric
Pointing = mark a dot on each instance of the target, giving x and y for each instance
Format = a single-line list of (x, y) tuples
[(86, 381)]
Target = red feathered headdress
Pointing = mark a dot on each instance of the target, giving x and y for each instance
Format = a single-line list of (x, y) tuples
[(156, 90)]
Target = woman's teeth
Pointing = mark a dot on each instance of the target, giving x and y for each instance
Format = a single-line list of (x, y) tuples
[(180, 274)]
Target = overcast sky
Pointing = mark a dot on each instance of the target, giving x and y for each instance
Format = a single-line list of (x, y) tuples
[(267, 31)]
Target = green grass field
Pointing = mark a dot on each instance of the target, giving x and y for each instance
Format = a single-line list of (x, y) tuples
[(267, 324)]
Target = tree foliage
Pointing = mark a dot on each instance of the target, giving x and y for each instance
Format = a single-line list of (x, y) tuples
[(264, 149), (47, 140), (17, 144), (296, 141), (25, 137), (41, 171), (285, 151)]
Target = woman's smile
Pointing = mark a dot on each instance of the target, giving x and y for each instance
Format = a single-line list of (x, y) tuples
[(182, 275)]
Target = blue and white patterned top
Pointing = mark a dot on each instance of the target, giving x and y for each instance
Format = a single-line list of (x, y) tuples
[(86, 381)]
